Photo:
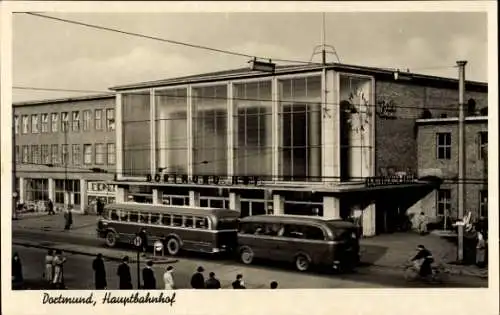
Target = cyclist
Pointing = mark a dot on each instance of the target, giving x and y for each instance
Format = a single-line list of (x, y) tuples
[(425, 256)]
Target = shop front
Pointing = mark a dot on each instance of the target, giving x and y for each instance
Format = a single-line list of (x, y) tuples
[(100, 190)]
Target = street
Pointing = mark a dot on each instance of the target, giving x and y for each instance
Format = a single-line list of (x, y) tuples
[(79, 274)]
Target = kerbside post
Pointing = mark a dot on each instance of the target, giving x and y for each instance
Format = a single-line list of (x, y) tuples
[(461, 156)]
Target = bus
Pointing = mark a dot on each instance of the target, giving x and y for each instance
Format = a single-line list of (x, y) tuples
[(302, 240), (186, 228)]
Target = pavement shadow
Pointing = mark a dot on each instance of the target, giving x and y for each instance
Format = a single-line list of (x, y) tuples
[(370, 254)]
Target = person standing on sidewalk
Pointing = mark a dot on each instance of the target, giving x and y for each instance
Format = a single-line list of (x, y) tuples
[(168, 278), (238, 283), (50, 207), (212, 282), (17, 270), (144, 237), (68, 217), (58, 279), (198, 280), (123, 273), (99, 272), (148, 276), (480, 250), (48, 271)]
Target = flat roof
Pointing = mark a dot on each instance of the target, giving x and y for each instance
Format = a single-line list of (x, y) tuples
[(65, 100), (242, 73)]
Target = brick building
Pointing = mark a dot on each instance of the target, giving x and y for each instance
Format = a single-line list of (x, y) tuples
[(65, 139), (438, 153), (335, 140)]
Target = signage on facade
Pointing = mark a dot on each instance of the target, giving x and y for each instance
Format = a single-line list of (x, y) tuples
[(100, 187), (202, 179), (386, 109), (389, 180)]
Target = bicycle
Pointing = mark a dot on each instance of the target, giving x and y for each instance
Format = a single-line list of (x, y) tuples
[(439, 273)]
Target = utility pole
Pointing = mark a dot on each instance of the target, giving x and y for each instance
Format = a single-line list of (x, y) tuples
[(461, 156), (323, 33)]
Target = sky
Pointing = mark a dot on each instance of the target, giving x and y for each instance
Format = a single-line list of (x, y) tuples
[(56, 55)]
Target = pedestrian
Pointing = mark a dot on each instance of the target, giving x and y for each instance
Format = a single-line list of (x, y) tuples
[(58, 277), (148, 276), (239, 283), (212, 282), (144, 237), (17, 269), (198, 280), (123, 273), (274, 285), (99, 206), (68, 217), (422, 223), (99, 273), (168, 278), (48, 271), (50, 207), (480, 250)]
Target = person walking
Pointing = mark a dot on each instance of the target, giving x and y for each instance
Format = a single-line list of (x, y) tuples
[(99, 206), (274, 285), (58, 277), (198, 280), (123, 273), (148, 276), (48, 270), (17, 270), (144, 237), (480, 250), (212, 282), (50, 207), (239, 283), (99, 273), (168, 278), (68, 217)]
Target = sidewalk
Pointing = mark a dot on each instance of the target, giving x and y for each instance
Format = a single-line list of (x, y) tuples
[(388, 250), (393, 250)]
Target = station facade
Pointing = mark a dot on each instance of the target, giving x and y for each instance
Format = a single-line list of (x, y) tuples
[(337, 141)]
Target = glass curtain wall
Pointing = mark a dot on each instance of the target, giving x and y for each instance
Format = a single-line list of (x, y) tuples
[(300, 129), (253, 128), (210, 130), (136, 133), (356, 112), (171, 130)]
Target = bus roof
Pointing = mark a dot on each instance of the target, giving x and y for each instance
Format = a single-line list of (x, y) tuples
[(178, 209), (297, 218)]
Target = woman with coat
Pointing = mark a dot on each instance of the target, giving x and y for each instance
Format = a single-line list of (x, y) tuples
[(99, 273), (168, 278), (58, 277), (48, 271), (480, 251)]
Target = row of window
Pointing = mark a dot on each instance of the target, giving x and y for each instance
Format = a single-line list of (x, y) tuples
[(165, 219), (443, 145), (50, 154), (443, 202), (283, 230), (37, 123)]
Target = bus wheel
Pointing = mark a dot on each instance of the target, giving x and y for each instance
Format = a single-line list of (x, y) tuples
[(173, 246), (246, 255), (302, 263), (110, 239)]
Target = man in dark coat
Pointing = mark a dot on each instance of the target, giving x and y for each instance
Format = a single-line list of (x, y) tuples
[(144, 236), (100, 273), (198, 280), (148, 276), (99, 206), (17, 269), (212, 282), (238, 283), (124, 274), (50, 207)]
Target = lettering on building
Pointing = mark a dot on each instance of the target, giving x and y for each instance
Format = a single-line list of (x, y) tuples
[(203, 179), (389, 180), (386, 109)]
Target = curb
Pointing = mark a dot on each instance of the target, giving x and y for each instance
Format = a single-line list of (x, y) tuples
[(77, 252)]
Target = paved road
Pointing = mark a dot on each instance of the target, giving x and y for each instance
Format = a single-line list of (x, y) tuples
[(79, 274)]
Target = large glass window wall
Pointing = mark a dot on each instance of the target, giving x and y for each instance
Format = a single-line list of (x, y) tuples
[(210, 130), (253, 128), (171, 130), (300, 129), (136, 133)]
